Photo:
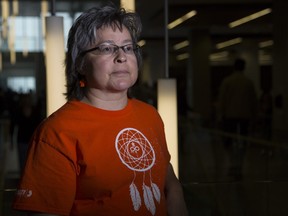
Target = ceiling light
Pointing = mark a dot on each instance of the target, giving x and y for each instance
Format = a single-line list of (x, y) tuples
[(181, 45), (229, 43), (250, 17), (128, 4), (181, 19), (266, 43), (182, 56), (5, 14), (219, 56), (15, 8), (44, 12), (141, 43)]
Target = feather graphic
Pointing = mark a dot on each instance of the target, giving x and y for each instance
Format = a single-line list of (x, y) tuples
[(156, 192), (148, 199), (135, 196)]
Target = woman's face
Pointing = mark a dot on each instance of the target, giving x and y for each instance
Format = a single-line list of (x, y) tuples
[(111, 73)]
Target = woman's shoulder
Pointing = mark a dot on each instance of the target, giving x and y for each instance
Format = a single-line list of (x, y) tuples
[(63, 117), (145, 109), (141, 104)]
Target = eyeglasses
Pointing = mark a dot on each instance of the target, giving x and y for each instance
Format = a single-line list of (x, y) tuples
[(111, 49)]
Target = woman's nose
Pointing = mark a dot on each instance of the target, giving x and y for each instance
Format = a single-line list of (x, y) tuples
[(121, 56)]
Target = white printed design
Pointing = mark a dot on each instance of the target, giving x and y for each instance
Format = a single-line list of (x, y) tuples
[(24, 193), (136, 152)]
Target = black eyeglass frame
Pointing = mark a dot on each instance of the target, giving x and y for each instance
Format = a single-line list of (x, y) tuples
[(136, 47)]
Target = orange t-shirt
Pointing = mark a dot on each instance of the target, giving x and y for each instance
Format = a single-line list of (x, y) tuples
[(87, 161)]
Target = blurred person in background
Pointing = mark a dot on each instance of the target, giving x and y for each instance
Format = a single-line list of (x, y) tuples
[(24, 120), (238, 108)]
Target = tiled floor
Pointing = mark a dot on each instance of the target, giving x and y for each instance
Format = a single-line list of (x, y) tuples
[(209, 188)]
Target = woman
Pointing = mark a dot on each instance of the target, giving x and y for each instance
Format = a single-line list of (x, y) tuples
[(102, 153)]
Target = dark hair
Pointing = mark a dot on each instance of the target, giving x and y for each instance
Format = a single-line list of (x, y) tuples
[(83, 34), (239, 64)]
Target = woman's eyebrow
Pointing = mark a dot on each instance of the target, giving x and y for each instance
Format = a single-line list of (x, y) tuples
[(113, 42)]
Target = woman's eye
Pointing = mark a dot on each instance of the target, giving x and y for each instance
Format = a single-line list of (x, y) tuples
[(106, 49), (129, 48)]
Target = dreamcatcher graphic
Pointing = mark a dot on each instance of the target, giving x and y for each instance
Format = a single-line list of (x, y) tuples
[(136, 152)]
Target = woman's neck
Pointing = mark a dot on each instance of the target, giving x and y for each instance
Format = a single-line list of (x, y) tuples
[(107, 101)]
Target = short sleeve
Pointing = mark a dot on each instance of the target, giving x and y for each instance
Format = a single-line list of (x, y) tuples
[(48, 183)]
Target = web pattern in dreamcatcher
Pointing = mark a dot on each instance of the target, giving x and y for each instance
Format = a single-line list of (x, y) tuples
[(136, 152)]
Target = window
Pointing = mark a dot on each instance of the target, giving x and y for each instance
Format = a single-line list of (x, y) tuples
[(28, 32), (21, 84)]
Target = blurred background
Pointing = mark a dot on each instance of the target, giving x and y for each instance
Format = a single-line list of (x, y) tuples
[(223, 172)]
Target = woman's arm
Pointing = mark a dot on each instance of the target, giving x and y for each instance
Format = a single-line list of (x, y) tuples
[(176, 205)]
